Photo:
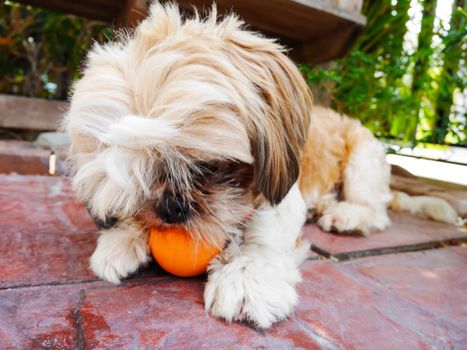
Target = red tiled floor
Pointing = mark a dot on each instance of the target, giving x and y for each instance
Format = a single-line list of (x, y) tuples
[(313, 256), (406, 230), (344, 312), (45, 236), (169, 314), (335, 312), (405, 301), (435, 280), (383, 302), (38, 318)]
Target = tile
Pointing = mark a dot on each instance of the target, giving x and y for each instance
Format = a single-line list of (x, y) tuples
[(384, 302), (395, 301), (352, 305), (406, 230), (39, 318), (408, 301), (435, 280), (343, 311), (169, 314), (45, 235)]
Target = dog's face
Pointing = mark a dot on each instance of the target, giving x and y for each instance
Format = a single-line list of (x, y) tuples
[(212, 201), (187, 123)]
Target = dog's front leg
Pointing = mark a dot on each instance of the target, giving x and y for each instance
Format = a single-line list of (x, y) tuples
[(119, 252), (255, 282)]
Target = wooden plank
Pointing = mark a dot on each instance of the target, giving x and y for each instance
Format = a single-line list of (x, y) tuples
[(330, 46), (345, 9), (300, 20), (30, 113), (318, 30), (103, 10), (133, 13)]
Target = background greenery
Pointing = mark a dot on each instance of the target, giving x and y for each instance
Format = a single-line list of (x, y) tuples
[(41, 51), (398, 93)]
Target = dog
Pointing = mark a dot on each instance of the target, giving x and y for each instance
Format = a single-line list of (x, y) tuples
[(202, 124)]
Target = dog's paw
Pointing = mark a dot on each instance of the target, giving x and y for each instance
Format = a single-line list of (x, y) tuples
[(352, 218), (115, 258), (253, 290), (341, 219)]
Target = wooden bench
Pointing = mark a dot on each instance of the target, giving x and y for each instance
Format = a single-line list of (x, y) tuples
[(316, 30), (18, 112)]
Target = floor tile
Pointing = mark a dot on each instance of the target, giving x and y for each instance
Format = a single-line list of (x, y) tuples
[(406, 230), (45, 235), (411, 300), (397, 301), (39, 318)]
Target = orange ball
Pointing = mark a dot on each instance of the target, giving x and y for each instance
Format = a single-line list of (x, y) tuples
[(177, 253)]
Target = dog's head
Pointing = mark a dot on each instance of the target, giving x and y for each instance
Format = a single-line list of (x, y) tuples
[(187, 122)]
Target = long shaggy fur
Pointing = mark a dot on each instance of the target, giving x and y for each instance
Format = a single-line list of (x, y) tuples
[(345, 179), (207, 120), (155, 92)]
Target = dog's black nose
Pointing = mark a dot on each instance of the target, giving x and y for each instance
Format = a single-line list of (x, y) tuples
[(106, 224), (173, 210)]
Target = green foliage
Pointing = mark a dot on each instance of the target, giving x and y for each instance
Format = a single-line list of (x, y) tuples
[(449, 122), (40, 51), (397, 93)]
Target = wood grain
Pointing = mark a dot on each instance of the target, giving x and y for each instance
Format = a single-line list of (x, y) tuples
[(19, 112)]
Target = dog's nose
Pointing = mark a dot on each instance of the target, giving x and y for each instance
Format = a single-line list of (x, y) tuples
[(106, 224), (173, 210)]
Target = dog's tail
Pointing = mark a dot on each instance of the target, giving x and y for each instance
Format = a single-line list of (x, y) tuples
[(432, 207)]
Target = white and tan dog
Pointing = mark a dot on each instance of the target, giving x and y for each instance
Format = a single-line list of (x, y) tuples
[(202, 124)]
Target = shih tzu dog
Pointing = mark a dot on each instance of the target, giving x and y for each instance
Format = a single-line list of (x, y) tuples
[(202, 124)]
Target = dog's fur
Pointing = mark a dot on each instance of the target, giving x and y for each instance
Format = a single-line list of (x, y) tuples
[(219, 118)]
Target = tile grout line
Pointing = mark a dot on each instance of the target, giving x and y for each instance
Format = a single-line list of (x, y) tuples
[(451, 242), (78, 322), (322, 254), (133, 280), (47, 284)]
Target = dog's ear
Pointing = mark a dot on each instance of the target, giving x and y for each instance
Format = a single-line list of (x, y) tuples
[(279, 131)]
